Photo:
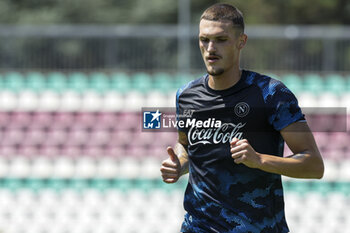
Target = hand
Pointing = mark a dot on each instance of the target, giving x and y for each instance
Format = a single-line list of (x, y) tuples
[(171, 167), (243, 152)]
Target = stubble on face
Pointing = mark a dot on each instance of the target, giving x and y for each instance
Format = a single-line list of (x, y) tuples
[(216, 72)]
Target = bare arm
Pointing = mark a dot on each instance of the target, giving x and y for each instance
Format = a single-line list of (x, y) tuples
[(177, 163), (306, 162), (181, 152)]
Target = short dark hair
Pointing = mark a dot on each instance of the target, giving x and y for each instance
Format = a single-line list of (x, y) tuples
[(222, 11)]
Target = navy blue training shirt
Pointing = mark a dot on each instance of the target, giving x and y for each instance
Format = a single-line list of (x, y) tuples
[(222, 196)]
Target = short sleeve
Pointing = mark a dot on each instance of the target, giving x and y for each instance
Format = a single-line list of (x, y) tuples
[(179, 109), (283, 106)]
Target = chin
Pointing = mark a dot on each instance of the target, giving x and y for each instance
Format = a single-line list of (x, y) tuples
[(216, 72)]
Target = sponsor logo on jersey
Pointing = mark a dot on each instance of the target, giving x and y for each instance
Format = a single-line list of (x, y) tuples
[(223, 134)]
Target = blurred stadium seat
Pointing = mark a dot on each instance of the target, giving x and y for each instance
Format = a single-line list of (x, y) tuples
[(73, 156)]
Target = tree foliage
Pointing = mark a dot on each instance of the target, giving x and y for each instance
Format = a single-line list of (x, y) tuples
[(165, 11), (131, 53)]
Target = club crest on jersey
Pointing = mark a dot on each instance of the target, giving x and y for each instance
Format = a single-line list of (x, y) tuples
[(242, 109)]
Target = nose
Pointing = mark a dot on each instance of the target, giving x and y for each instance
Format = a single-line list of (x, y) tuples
[(211, 47)]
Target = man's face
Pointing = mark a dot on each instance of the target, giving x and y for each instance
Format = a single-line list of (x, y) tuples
[(219, 44)]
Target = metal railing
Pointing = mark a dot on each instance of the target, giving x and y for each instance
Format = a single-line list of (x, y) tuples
[(168, 48)]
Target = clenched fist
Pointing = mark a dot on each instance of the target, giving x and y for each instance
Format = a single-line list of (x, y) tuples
[(243, 152)]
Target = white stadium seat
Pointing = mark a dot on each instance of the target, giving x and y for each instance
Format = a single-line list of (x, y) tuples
[(328, 100), (63, 168), (70, 101), (85, 168), (4, 167), (28, 101), (91, 101), (19, 167), (107, 168), (134, 101), (8, 101), (112, 102), (49, 101), (41, 167), (156, 99), (307, 99)]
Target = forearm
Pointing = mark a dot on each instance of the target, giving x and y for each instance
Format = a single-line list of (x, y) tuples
[(182, 154), (302, 165)]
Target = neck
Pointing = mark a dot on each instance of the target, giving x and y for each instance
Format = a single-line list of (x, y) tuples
[(225, 80)]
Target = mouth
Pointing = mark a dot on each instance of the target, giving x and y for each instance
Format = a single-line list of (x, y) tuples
[(212, 58)]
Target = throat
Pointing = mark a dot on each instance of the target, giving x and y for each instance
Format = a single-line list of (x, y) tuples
[(223, 82)]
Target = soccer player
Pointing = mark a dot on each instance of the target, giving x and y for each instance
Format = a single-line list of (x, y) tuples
[(234, 124)]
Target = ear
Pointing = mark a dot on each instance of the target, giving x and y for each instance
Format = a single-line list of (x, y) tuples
[(242, 41)]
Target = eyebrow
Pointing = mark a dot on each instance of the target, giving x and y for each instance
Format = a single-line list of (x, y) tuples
[(215, 36)]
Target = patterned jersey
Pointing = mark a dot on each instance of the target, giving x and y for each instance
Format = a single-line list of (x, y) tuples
[(222, 196)]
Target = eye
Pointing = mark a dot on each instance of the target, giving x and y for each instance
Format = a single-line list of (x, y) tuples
[(221, 39), (204, 39)]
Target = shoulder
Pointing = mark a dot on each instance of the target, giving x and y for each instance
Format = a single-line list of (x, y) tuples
[(267, 86), (191, 86)]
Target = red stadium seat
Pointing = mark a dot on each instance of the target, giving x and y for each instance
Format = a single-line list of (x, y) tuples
[(42, 120), (347, 152), (327, 122), (50, 151), (12, 137), (8, 151), (77, 137), (106, 121), (56, 137), (338, 140), (334, 154), (115, 151), (322, 140), (29, 151), (145, 138), (137, 151), (34, 137), (164, 138), (94, 151), (158, 152), (99, 138), (62, 120), (84, 121), (340, 123), (5, 118), (129, 121), (20, 120), (121, 138), (72, 151)]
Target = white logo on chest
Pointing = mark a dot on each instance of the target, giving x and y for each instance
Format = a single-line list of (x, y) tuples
[(225, 133)]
